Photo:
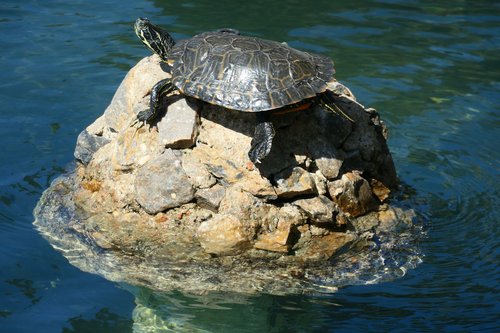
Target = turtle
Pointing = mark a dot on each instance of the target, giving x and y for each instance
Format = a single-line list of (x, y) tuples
[(244, 73)]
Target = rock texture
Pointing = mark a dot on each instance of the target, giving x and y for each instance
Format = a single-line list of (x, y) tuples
[(188, 181)]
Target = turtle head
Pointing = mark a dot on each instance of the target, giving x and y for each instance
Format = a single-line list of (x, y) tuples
[(155, 38)]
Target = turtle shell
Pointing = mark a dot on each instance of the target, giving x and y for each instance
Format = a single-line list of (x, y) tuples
[(247, 73)]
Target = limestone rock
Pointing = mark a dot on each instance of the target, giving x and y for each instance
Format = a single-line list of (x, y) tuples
[(197, 171), (379, 189), (161, 183), (190, 178), (292, 214), (320, 182), (132, 96), (319, 209), (294, 182), (86, 145), (223, 235), (179, 127), (328, 159), (395, 219), (258, 186), (353, 194), (133, 147), (366, 222), (210, 198), (229, 173), (189, 209), (246, 207), (324, 247), (276, 241)]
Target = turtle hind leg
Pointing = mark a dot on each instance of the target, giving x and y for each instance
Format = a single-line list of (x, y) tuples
[(327, 103), (262, 140), (158, 92)]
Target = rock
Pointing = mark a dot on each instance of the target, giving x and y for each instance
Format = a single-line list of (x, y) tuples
[(132, 96), (223, 235), (319, 209), (191, 178), (197, 171), (395, 219), (276, 241), (183, 201), (294, 182), (133, 147), (329, 167), (328, 159), (246, 207), (210, 198), (179, 127), (353, 194), (230, 173), (86, 145), (258, 186), (379, 189), (161, 183), (320, 182), (324, 247), (365, 223), (292, 214)]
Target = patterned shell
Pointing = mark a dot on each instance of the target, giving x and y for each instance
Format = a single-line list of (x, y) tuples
[(247, 73)]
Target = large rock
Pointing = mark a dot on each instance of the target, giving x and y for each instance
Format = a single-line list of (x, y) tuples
[(190, 178)]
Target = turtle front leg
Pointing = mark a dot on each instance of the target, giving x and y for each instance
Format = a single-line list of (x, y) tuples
[(262, 140), (327, 103), (158, 92)]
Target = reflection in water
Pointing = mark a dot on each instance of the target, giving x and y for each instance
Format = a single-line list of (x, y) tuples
[(221, 313), (104, 321), (27, 289)]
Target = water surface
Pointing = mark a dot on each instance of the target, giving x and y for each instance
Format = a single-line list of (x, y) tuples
[(432, 71)]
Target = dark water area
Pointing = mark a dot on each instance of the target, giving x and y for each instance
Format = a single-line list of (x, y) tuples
[(431, 69)]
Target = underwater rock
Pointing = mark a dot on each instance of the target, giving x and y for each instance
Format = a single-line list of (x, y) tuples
[(193, 192)]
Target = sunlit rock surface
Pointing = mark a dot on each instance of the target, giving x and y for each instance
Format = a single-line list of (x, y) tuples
[(180, 206)]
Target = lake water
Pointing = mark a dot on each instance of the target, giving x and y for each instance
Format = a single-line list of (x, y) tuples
[(432, 70)]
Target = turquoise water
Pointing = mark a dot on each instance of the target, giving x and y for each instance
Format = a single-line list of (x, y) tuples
[(431, 70)]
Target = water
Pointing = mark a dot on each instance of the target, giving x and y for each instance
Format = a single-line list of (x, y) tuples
[(432, 70)]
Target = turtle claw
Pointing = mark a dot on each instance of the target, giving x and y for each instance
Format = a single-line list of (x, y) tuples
[(137, 121), (144, 115)]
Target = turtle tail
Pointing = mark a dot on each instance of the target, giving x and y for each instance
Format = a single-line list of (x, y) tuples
[(154, 37)]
